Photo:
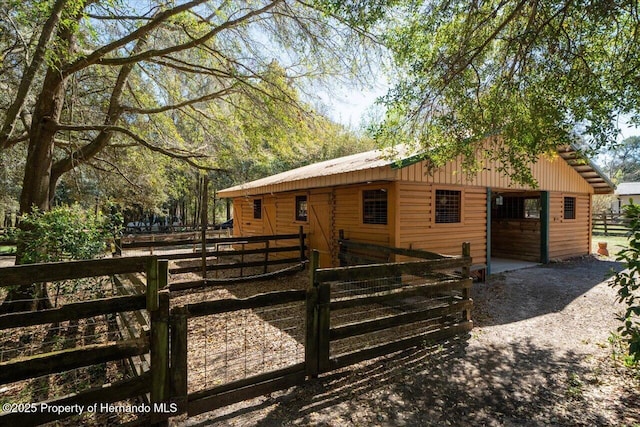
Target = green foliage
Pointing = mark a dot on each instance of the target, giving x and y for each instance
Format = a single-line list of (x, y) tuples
[(627, 283), (520, 76), (63, 233), (623, 160)]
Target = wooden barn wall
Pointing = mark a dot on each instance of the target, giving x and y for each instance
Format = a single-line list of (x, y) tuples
[(416, 223), (516, 239), (569, 237), (551, 174), (329, 210), (348, 215)]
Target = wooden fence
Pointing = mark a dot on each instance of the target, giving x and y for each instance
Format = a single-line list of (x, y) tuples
[(409, 303), (57, 361), (610, 224), (244, 255), (437, 286)]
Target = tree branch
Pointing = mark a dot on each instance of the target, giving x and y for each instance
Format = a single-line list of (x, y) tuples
[(30, 73), (204, 98), (177, 48), (98, 54), (188, 158)]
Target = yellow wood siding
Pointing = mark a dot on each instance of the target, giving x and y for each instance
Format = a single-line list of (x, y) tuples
[(348, 215), (569, 237), (417, 229), (552, 174)]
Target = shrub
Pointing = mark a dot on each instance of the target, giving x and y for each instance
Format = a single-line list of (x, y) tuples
[(627, 283), (63, 233)]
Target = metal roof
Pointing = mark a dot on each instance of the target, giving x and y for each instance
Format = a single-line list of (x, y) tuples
[(628, 188), (355, 162), (399, 157)]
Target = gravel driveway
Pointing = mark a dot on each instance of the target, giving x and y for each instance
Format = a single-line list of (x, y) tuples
[(539, 354)]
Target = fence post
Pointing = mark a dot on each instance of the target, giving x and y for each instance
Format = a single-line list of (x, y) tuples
[(163, 273), (160, 360), (466, 272), (604, 219), (342, 259), (152, 284), (118, 245), (311, 341), (301, 233), (266, 256), (324, 314), (178, 371)]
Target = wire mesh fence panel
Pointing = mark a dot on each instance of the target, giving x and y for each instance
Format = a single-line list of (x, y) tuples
[(40, 349), (240, 344), (396, 300)]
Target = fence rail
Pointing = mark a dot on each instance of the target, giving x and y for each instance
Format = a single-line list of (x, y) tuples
[(610, 224), (346, 315), (57, 362)]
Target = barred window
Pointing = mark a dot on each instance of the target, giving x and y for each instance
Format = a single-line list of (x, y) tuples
[(569, 208), (448, 204), (257, 208), (301, 208), (374, 206)]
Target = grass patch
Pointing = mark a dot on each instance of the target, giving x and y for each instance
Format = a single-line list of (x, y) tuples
[(614, 243), (7, 250)]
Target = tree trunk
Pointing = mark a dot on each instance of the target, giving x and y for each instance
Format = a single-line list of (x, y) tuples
[(37, 188)]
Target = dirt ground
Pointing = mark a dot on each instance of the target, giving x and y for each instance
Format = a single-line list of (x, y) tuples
[(539, 355)]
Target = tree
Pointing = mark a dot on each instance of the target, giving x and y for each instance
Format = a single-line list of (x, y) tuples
[(89, 77), (522, 76), (623, 163), (90, 82)]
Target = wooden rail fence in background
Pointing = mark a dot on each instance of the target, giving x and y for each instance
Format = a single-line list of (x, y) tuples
[(610, 224)]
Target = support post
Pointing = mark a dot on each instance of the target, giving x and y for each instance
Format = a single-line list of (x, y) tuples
[(545, 219), (118, 245), (301, 237), (488, 232), (311, 341), (160, 360), (152, 284), (163, 274), (466, 273), (178, 371), (203, 217)]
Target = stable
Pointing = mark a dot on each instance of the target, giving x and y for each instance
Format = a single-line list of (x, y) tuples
[(391, 198)]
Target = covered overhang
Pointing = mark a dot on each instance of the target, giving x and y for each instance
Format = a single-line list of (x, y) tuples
[(586, 169)]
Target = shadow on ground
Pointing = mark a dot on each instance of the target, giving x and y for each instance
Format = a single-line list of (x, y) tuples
[(531, 292), (517, 384)]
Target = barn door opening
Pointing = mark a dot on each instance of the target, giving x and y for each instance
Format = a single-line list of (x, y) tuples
[(515, 220), (320, 226)]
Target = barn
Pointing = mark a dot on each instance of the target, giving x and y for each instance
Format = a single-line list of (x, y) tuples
[(391, 198)]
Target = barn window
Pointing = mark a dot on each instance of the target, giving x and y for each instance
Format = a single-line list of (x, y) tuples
[(374, 206), (257, 208), (448, 203), (569, 208), (301, 208)]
